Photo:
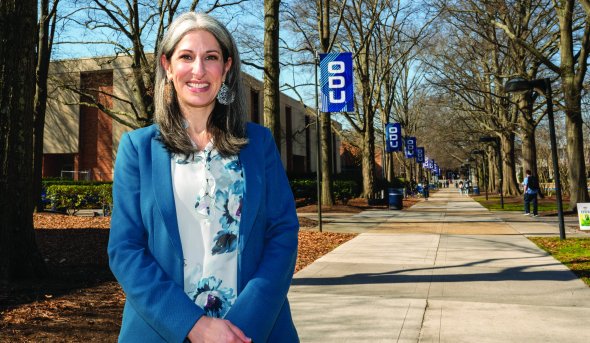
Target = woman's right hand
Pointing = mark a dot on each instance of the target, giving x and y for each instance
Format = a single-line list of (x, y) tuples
[(214, 330)]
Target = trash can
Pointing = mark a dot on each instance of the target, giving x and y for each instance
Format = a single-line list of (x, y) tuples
[(475, 190), (396, 198)]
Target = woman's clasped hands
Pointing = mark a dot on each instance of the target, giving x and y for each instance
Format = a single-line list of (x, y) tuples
[(215, 330)]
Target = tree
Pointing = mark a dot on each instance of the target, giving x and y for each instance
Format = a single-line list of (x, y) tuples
[(486, 60), (323, 10), (319, 33), (134, 30), (46, 33), (272, 105), (19, 256), (574, 48)]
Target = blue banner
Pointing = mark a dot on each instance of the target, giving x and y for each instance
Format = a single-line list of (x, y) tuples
[(336, 82), (410, 147), (393, 137), (430, 164), (420, 154)]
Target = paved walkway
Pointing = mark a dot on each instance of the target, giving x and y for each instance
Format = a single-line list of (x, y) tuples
[(446, 270)]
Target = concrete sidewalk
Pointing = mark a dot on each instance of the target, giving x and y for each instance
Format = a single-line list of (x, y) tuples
[(446, 270)]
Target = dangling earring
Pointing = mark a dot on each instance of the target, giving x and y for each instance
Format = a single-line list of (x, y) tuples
[(225, 95), (168, 91)]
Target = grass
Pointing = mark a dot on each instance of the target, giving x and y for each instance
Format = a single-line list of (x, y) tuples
[(572, 252), (516, 203)]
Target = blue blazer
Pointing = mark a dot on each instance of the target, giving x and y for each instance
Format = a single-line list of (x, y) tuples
[(145, 253)]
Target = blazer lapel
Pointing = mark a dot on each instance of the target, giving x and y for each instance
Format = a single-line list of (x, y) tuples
[(253, 171), (163, 192)]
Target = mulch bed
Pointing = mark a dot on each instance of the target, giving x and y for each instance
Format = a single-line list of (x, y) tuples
[(81, 300)]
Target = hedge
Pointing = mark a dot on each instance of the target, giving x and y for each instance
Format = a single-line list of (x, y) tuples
[(71, 198), (342, 189)]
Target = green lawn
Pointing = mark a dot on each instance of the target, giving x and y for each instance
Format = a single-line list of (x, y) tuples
[(572, 252), (516, 203)]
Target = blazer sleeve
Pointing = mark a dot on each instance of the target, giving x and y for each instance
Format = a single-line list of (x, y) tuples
[(151, 292), (257, 307)]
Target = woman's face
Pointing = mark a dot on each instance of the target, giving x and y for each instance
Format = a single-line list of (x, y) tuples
[(197, 70)]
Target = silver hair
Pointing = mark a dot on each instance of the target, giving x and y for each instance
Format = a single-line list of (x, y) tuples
[(227, 123)]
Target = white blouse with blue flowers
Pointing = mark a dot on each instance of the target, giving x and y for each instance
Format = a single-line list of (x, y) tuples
[(208, 192)]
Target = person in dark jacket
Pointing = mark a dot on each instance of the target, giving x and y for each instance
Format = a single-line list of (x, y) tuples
[(531, 189)]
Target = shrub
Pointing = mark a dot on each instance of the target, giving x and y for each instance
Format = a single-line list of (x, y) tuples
[(72, 198), (307, 189)]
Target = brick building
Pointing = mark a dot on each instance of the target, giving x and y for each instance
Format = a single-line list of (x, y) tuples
[(81, 141)]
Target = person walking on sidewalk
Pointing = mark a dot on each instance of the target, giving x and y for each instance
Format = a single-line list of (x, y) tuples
[(425, 190), (531, 189)]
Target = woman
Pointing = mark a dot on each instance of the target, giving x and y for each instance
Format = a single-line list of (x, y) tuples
[(204, 231)]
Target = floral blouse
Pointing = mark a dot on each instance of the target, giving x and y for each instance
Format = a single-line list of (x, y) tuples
[(208, 192)]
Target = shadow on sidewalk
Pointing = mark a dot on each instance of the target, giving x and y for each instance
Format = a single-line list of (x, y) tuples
[(399, 276)]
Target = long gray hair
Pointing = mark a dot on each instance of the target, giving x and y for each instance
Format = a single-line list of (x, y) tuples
[(227, 123)]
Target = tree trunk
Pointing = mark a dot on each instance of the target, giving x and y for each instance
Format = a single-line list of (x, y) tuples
[(368, 165), (575, 153), (389, 172), (272, 105), (494, 181), (572, 88), (529, 149), (510, 184), (19, 256), (325, 117), (326, 158), (43, 57), (527, 125)]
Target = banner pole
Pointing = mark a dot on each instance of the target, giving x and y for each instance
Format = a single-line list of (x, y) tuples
[(318, 164)]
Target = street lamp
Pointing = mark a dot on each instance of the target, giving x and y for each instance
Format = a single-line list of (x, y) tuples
[(543, 86), (496, 142)]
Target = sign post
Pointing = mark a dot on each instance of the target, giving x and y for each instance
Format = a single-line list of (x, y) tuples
[(337, 88)]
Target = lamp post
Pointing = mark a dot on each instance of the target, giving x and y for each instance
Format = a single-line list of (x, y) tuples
[(543, 86), (496, 142)]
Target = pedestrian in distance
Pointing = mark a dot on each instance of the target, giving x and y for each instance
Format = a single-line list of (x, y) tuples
[(204, 231), (425, 188), (531, 189)]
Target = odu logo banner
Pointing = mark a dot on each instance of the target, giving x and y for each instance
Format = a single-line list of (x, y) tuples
[(420, 154), (337, 83), (411, 147), (393, 137)]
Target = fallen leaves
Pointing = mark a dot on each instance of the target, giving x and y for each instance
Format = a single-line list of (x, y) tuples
[(81, 301), (315, 244), (61, 221)]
